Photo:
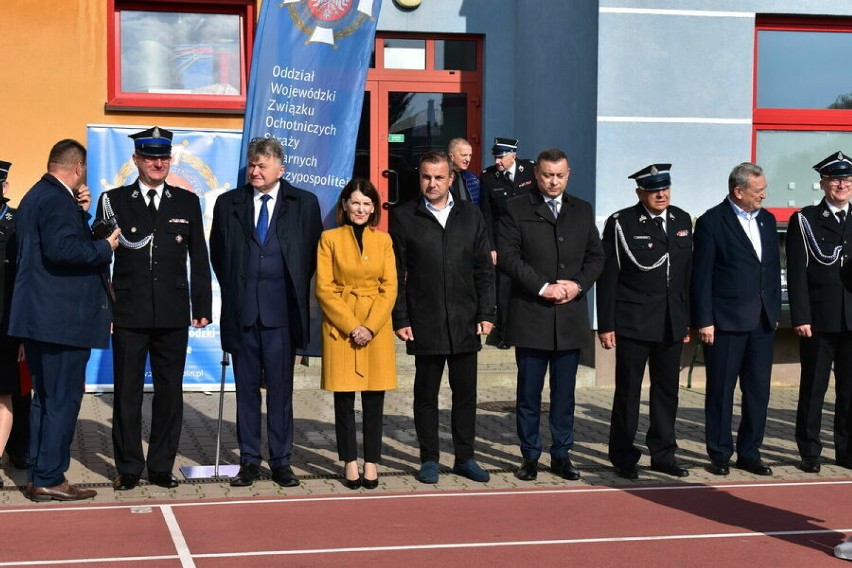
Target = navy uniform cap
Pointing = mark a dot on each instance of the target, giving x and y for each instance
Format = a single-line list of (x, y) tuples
[(4, 170), (836, 165), (653, 178), (155, 142), (504, 146)]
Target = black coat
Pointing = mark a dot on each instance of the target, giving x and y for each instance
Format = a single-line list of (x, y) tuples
[(534, 249), (651, 305), (446, 277), (817, 296), (8, 248), (152, 287), (298, 228), (496, 191)]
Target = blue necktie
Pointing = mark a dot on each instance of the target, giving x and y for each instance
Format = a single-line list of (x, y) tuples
[(263, 219)]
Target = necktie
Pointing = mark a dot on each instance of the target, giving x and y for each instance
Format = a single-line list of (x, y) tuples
[(263, 219), (841, 217), (554, 208), (152, 206), (509, 176), (659, 222)]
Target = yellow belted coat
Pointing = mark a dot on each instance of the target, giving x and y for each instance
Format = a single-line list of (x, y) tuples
[(355, 288)]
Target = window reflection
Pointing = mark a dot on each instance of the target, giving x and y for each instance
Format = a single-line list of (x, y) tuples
[(169, 52), (804, 70)]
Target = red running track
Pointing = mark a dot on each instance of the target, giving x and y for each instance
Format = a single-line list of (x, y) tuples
[(725, 525)]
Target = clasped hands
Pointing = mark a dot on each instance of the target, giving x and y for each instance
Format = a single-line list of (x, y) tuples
[(561, 292), (361, 336)]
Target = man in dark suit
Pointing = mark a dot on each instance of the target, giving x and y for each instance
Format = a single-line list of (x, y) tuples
[(736, 298), (61, 309), (263, 246), (154, 295), (505, 179), (465, 185), (445, 302), (821, 310), (642, 305), (549, 246)]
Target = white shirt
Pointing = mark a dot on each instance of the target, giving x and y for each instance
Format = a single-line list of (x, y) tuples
[(654, 216), (270, 205), (441, 214), (834, 209), (748, 221), (157, 198)]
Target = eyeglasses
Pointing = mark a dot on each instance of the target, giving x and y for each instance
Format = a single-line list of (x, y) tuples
[(846, 182), (152, 159)]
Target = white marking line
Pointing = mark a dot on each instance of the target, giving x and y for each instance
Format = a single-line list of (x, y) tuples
[(177, 537), (86, 561), (445, 495), (674, 120), (663, 12), (601, 540)]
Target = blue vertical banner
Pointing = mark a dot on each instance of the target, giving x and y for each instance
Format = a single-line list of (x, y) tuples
[(204, 162), (308, 72)]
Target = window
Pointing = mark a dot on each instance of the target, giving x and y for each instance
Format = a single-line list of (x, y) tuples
[(802, 104), (179, 55)]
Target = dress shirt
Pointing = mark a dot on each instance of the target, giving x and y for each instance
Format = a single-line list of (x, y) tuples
[(661, 216), (270, 205), (159, 197), (441, 214), (748, 221)]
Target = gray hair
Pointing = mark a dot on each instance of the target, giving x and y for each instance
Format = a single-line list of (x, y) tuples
[(269, 147), (742, 173)]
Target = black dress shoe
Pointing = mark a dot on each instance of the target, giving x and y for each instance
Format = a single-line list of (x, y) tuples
[(810, 466), (528, 470), (352, 483), (627, 472), (369, 483), (756, 467), (163, 479), (719, 468), (673, 468), (503, 345), (247, 475), (125, 482), (283, 475), (565, 469)]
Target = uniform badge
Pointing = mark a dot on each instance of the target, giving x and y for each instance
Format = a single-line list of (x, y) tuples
[(650, 246), (8, 216), (683, 233), (825, 214), (135, 194), (520, 167), (168, 194), (179, 239), (642, 218)]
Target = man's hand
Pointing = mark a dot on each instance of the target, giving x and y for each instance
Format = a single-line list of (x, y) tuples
[(803, 330), (203, 322), (556, 293), (484, 327), (494, 257), (84, 197), (706, 334), (113, 239), (405, 333), (607, 339)]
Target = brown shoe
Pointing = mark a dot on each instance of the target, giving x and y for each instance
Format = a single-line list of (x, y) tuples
[(62, 492)]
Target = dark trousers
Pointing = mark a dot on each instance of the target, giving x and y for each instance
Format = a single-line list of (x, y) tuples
[(427, 384), (59, 378), (817, 354), (267, 350), (746, 355), (18, 446), (166, 348), (663, 360), (533, 364), (372, 406), (504, 288)]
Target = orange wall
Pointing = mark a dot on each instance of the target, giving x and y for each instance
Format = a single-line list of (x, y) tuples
[(53, 64)]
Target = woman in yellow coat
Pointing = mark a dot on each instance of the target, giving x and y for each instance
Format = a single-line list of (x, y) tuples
[(356, 289)]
